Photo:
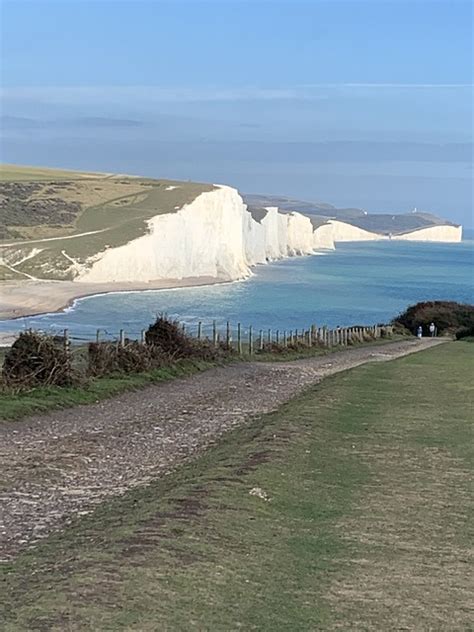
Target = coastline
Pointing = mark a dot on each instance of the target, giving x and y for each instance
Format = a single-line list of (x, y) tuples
[(38, 297)]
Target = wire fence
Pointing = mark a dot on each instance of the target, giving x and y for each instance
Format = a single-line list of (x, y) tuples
[(242, 339)]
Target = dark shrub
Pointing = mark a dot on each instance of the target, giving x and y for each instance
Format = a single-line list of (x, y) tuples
[(168, 336), (102, 358), (398, 329), (273, 347), (448, 316), (133, 357), (297, 345), (464, 332), (36, 359)]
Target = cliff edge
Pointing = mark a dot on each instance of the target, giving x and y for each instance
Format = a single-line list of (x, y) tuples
[(104, 228)]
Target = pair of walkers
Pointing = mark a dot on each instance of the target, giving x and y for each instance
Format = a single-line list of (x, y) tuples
[(432, 329)]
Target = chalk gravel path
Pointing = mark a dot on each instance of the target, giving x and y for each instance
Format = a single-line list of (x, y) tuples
[(58, 466)]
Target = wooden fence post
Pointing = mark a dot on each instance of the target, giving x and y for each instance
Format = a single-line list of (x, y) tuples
[(285, 339), (142, 337), (260, 339), (277, 336), (310, 337), (67, 344), (199, 330), (214, 333), (227, 335), (239, 338), (269, 335), (121, 338), (250, 341), (97, 336)]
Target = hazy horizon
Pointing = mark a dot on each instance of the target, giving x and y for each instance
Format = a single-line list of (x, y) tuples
[(352, 103)]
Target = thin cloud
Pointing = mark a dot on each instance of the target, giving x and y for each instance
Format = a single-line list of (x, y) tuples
[(71, 95), (390, 85)]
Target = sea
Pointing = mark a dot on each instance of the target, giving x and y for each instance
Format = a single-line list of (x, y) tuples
[(359, 283)]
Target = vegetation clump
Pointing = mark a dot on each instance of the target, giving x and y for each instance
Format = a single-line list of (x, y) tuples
[(448, 316), (105, 358), (169, 337), (36, 359)]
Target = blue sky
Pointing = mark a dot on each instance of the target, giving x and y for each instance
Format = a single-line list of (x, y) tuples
[(249, 93)]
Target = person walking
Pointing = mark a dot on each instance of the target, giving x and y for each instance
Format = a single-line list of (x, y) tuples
[(432, 330), (419, 332)]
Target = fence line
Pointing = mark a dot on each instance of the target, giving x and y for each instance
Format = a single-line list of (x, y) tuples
[(244, 340)]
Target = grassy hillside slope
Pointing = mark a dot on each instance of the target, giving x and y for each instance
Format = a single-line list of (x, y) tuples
[(79, 214)]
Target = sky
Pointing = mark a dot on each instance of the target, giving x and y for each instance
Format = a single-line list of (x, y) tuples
[(356, 103)]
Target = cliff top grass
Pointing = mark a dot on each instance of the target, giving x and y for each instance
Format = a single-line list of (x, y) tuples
[(346, 509), (19, 173), (52, 216)]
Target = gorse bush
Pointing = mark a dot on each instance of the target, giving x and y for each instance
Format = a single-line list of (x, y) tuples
[(131, 357), (36, 359), (168, 337), (448, 316)]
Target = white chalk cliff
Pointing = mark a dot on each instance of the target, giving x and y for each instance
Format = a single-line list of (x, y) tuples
[(217, 236), (443, 232)]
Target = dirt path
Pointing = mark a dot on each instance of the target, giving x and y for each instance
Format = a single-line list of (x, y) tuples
[(58, 466)]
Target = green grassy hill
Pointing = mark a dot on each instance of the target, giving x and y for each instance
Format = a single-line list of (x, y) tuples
[(82, 213)]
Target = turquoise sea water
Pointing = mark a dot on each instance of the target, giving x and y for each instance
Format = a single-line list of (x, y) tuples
[(359, 283)]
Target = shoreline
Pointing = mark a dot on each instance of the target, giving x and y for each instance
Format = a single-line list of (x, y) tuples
[(38, 297), (20, 299)]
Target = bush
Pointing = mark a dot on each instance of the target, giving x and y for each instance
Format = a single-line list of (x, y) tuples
[(464, 332), (133, 357), (273, 347), (35, 359), (168, 337), (398, 329), (448, 316)]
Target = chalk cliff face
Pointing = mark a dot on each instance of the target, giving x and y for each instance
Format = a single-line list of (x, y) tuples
[(442, 233), (346, 232), (217, 236), (323, 237), (204, 238), (213, 236)]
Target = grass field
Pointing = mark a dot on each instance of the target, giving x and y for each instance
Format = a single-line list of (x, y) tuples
[(365, 527), (9, 173), (61, 206)]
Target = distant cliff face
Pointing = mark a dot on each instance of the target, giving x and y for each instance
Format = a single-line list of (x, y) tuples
[(443, 233)]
